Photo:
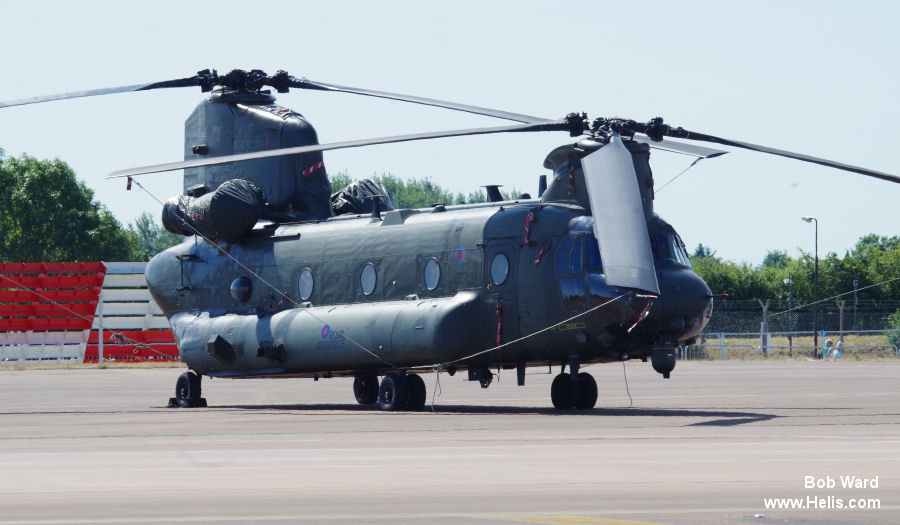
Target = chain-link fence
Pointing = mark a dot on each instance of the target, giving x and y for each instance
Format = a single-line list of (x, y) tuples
[(783, 316), (849, 345)]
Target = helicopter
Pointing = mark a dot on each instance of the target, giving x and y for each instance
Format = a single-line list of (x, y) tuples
[(280, 276)]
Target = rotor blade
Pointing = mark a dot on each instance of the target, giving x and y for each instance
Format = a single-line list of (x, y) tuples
[(304, 83), (619, 222), (73, 94), (253, 155), (178, 82), (685, 134), (681, 147)]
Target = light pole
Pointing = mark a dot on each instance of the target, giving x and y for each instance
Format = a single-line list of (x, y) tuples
[(788, 283), (815, 288)]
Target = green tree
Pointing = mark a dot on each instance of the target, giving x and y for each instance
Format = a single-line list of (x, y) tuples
[(884, 267), (150, 238), (339, 180), (739, 281), (418, 193), (48, 215), (874, 261), (474, 197), (415, 193), (871, 243), (775, 259), (894, 323), (703, 251)]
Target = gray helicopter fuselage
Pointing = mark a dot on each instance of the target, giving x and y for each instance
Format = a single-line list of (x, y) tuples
[(498, 284), (489, 288)]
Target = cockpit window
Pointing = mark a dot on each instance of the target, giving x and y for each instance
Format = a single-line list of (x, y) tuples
[(669, 250), (569, 259), (583, 224), (562, 258), (594, 262), (581, 231), (575, 257), (578, 262)]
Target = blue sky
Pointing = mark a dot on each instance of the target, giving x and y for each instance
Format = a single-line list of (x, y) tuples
[(814, 77)]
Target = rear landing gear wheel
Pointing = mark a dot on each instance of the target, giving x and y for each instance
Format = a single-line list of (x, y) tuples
[(187, 391), (587, 392), (562, 392), (417, 393), (365, 388), (393, 394)]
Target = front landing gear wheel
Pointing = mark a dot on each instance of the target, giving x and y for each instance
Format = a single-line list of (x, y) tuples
[(562, 392), (365, 388), (187, 391), (587, 391), (393, 394)]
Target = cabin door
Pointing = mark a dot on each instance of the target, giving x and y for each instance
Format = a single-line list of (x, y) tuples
[(501, 282)]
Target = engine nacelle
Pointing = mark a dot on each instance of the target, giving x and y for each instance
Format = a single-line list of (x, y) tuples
[(228, 213)]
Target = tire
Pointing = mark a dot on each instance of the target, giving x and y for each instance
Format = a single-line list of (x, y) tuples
[(392, 395), (562, 392), (365, 389), (187, 389), (587, 392), (417, 392)]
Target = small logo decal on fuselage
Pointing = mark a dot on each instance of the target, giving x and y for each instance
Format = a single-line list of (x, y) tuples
[(565, 327)]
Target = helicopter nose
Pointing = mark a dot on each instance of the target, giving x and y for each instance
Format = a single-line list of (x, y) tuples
[(684, 304)]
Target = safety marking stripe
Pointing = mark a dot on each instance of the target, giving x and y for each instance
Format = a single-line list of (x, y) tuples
[(313, 168)]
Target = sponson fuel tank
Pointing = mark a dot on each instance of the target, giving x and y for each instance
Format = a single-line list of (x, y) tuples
[(307, 340), (225, 214)]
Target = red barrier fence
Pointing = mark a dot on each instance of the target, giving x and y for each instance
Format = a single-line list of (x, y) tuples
[(49, 296), (50, 311), (151, 345)]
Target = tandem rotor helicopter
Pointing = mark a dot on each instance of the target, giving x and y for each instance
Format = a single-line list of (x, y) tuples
[(280, 276)]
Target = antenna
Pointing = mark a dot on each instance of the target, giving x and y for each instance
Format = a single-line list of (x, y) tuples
[(493, 192)]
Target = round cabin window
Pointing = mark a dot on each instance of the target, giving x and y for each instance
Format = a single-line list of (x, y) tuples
[(499, 269), (240, 289), (305, 286), (432, 274), (367, 279)]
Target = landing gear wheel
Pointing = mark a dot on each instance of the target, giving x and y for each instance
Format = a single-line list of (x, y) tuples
[(587, 392), (393, 394), (417, 393), (562, 392), (365, 388), (187, 391)]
